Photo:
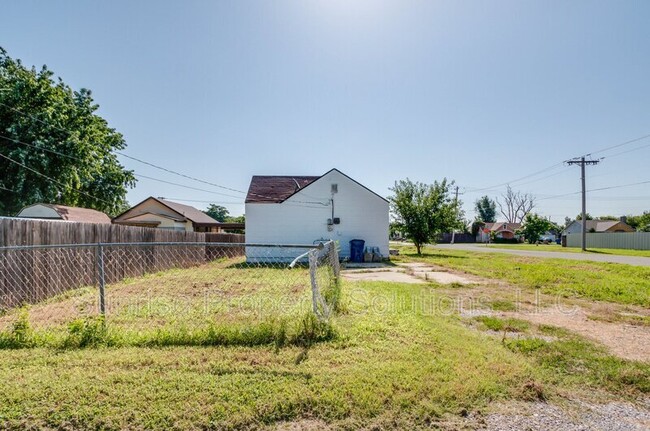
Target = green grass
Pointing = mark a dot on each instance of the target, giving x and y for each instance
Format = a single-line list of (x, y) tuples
[(510, 324), (392, 363), (392, 359), (565, 360), (573, 361), (222, 302), (503, 305), (559, 248), (601, 281)]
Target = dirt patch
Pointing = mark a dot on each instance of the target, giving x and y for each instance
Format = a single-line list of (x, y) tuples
[(516, 416), (575, 416), (620, 328), (623, 340), (301, 425)]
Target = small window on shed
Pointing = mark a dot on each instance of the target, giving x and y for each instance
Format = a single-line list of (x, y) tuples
[(335, 188)]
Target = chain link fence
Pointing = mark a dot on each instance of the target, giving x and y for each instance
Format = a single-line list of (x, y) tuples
[(165, 293)]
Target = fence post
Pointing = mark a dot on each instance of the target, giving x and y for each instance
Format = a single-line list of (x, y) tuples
[(101, 279), (318, 303), (334, 259)]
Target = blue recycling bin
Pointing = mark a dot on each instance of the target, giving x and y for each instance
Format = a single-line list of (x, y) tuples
[(356, 250)]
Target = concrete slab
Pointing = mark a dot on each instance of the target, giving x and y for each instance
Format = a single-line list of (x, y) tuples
[(392, 274), (429, 273), (367, 265)]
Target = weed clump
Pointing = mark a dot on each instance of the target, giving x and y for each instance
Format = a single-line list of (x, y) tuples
[(87, 332), (21, 334)]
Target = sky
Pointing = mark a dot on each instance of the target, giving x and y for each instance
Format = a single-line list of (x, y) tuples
[(482, 93)]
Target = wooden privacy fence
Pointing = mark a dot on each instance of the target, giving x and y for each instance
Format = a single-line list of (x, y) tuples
[(445, 238), (622, 240), (15, 231), (66, 256)]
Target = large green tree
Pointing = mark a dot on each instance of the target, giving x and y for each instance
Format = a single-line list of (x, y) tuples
[(423, 211), (217, 212), (640, 222), (535, 226), (54, 148), (486, 210)]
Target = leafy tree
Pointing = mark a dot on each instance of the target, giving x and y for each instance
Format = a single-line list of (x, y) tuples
[(534, 227), (423, 211), (61, 151), (486, 209), (217, 212), (640, 222), (238, 219), (587, 216)]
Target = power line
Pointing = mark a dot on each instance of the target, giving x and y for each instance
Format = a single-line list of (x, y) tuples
[(183, 185), (178, 173), (213, 184), (491, 188), (116, 152), (627, 151), (206, 202), (618, 145), (595, 190), (144, 161), (49, 150), (618, 187), (53, 180), (518, 179), (543, 178)]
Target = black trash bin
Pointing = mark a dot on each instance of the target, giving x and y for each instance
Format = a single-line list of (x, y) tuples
[(356, 250)]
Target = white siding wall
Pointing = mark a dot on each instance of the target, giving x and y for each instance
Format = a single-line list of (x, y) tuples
[(363, 215)]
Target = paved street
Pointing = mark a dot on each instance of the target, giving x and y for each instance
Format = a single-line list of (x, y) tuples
[(595, 257)]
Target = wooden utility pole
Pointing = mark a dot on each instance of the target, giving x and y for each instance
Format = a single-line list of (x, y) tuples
[(453, 231), (582, 162)]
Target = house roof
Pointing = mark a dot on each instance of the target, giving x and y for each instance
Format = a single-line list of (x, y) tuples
[(196, 216), (499, 226), (598, 225), (148, 213), (277, 189), (82, 215), (189, 212)]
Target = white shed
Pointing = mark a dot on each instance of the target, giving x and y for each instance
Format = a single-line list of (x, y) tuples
[(308, 209)]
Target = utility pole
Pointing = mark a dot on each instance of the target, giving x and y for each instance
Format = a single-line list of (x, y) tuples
[(582, 162), (453, 231)]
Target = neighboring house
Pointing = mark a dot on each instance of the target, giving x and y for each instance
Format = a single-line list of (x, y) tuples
[(163, 214), (309, 209), (63, 213), (599, 226), (501, 230)]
